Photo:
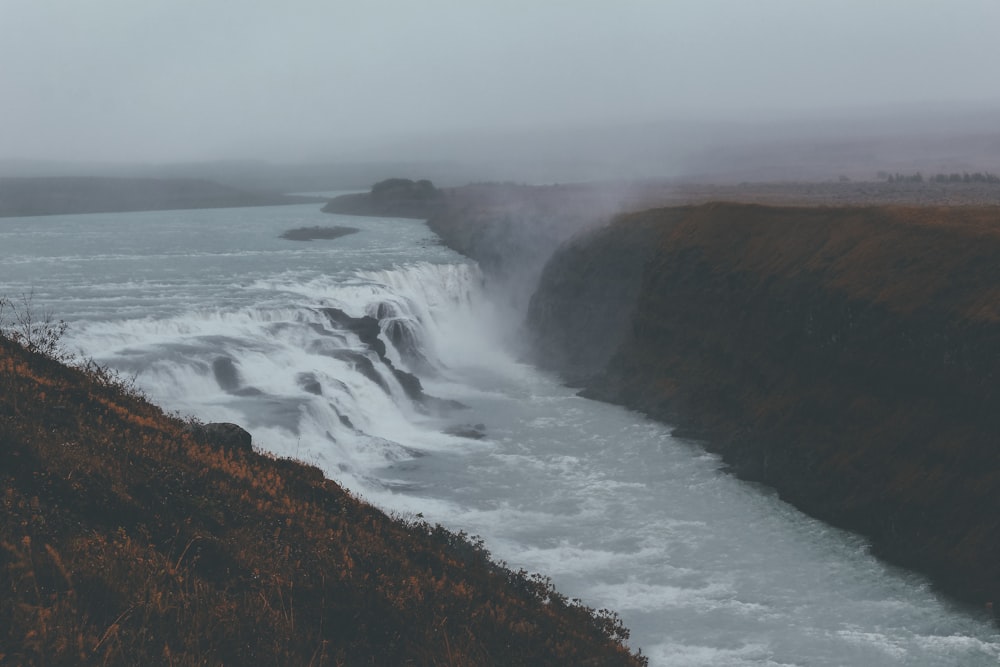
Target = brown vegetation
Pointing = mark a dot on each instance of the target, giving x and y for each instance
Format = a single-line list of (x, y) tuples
[(125, 539)]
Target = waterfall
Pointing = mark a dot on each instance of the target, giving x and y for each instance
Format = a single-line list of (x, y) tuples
[(332, 379)]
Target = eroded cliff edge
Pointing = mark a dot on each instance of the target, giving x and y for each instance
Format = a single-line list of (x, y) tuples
[(846, 356)]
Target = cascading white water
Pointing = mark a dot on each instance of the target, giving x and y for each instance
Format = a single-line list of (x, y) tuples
[(303, 383), (221, 319)]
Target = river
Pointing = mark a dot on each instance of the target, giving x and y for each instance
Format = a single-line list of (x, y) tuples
[(219, 318)]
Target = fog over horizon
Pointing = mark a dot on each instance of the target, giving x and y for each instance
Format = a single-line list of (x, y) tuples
[(636, 88)]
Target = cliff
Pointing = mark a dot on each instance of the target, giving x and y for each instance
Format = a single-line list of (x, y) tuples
[(845, 356), (130, 537), (70, 195), (512, 230)]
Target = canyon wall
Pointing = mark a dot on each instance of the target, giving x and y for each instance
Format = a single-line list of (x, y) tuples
[(846, 356)]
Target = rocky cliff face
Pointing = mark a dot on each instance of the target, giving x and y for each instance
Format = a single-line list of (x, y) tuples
[(512, 230), (582, 312), (845, 356)]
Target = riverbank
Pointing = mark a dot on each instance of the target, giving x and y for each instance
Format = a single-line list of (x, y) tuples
[(128, 536)]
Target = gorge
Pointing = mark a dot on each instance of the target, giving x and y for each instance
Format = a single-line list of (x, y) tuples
[(845, 356), (394, 368)]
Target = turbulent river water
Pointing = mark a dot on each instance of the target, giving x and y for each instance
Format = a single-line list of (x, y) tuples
[(219, 318)]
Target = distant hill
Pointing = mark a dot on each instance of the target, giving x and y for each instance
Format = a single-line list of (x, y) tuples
[(392, 198), (90, 194)]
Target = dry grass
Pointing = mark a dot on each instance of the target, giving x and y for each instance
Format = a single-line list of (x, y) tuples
[(904, 257), (125, 540)]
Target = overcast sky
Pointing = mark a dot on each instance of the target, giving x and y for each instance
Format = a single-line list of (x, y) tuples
[(161, 80)]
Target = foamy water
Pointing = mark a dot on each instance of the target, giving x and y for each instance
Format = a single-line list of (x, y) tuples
[(221, 319)]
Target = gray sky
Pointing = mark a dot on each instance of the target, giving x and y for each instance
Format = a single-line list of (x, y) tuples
[(161, 80)]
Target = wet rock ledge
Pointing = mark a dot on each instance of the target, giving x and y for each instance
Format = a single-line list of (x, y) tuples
[(847, 356)]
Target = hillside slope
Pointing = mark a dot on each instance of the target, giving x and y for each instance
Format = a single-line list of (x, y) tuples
[(128, 538), (845, 356)]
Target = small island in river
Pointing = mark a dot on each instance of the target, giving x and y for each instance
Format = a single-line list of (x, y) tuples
[(317, 232)]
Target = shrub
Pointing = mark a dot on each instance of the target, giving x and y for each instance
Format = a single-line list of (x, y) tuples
[(37, 331)]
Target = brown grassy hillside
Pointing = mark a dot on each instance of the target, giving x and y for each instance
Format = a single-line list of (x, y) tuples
[(846, 356), (126, 540)]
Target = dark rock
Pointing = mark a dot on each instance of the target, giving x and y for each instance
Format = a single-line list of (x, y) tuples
[(470, 431), (223, 434), (361, 363), (400, 332), (367, 329), (410, 383), (309, 383), (226, 373), (312, 233)]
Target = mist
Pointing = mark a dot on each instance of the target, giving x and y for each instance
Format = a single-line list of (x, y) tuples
[(534, 92)]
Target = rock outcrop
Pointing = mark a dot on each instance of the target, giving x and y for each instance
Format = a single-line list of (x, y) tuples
[(845, 356), (391, 198), (223, 434), (367, 330)]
